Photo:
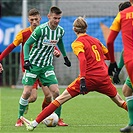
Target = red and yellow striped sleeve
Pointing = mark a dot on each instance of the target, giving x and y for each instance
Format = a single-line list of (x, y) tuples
[(77, 47), (116, 23)]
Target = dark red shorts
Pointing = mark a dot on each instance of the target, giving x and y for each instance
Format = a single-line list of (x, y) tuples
[(100, 84)]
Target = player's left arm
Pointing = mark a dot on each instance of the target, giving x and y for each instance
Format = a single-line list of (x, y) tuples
[(62, 49)]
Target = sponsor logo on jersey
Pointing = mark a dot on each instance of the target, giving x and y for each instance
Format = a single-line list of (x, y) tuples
[(50, 42)]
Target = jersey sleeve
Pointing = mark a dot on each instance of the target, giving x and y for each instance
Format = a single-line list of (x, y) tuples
[(105, 50), (116, 23), (61, 47), (82, 64), (60, 44), (77, 47), (31, 40), (27, 45), (18, 39)]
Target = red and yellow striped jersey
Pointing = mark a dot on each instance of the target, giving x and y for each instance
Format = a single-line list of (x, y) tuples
[(124, 22), (93, 52)]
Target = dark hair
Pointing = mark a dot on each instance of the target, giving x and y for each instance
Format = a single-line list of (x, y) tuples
[(33, 12), (55, 10), (124, 5)]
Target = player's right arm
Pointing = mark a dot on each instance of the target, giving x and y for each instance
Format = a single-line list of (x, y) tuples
[(31, 40), (115, 28), (78, 50), (110, 44), (18, 39), (28, 43)]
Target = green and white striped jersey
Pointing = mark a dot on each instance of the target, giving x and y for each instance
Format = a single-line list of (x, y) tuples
[(45, 39)]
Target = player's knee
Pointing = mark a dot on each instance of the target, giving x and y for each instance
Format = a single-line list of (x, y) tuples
[(26, 94), (48, 97), (127, 91), (32, 99), (56, 94)]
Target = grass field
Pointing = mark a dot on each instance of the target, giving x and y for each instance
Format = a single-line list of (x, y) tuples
[(91, 113)]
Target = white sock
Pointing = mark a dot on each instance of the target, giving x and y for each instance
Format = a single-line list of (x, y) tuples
[(34, 123)]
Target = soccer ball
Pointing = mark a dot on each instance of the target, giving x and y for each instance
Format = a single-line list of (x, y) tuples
[(51, 120)]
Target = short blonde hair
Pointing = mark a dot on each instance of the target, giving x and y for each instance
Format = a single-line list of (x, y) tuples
[(80, 25)]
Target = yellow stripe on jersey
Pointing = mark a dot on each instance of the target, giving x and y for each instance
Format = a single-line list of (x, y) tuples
[(105, 50), (116, 23), (77, 47)]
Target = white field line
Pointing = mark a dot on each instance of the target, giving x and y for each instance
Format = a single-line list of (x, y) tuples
[(87, 96), (100, 125), (87, 125)]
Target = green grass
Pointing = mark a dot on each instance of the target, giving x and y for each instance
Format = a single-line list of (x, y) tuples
[(91, 113)]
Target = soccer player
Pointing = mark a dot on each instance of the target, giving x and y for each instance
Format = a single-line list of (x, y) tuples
[(93, 74), (123, 22), (34, 20), (38, 63), (116, 79)]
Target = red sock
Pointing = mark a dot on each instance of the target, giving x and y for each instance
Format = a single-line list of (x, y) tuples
[(124, 106), (47, 111), (45, 103)]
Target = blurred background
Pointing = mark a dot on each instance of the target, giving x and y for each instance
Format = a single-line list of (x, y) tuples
[(13, 17)]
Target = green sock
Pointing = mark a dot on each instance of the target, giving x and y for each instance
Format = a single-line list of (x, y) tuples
[(22, 105), (130, 109), (58, 111), (21, 110)]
